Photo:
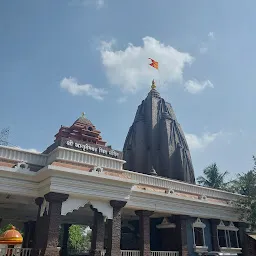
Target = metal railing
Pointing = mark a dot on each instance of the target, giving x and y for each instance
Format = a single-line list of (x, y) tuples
[(15, 251), (28, 252), (164, 253)]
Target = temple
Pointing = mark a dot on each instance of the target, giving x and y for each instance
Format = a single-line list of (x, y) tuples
[(155, 143), (139, 202)]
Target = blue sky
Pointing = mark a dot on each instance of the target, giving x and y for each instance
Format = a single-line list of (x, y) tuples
[(60, 58)]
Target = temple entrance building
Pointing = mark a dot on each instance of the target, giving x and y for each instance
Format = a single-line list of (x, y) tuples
[(140, 202)]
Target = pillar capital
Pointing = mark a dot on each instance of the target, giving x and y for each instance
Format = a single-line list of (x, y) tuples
[(117, 204), (53, 197), (39, 201), (144, 213)]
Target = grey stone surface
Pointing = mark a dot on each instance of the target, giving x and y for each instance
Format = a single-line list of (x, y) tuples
[(156, 141)]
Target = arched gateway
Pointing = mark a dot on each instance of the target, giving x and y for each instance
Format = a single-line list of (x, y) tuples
[(150, 207)]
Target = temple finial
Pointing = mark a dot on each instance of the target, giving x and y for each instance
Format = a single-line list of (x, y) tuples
[(83, 114), (153, 86)]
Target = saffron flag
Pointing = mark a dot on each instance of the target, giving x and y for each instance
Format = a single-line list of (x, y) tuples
[(153, 63)]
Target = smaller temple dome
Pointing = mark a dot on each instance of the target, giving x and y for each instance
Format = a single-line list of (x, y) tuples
[(11, 237), (83, 120)]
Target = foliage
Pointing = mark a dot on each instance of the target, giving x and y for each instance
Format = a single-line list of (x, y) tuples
[(245, 184), (78, 239), (213, 177), (88, 239), (7, 227)]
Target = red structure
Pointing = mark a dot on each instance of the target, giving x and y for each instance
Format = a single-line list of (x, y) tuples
[(81, 130)]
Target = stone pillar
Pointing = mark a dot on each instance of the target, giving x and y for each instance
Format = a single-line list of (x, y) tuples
[(144, 223), (53, 223), (114, 229), (31, 234), (215, 244), (38, 238), (26, 235), (183, 235), (98, 231), (64, 249), (243, 239)]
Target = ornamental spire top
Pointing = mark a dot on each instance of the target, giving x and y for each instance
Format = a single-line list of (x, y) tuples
[(153, 86)]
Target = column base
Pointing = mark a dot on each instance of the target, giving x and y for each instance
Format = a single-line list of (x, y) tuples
[(184, 251), (95, 252), (51, 251)]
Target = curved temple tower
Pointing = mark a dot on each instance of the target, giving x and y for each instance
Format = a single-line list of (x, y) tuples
[(155, 143)]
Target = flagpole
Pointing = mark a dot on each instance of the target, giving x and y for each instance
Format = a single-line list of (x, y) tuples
[(155, 65)]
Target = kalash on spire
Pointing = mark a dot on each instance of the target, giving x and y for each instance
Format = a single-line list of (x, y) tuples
[(155, 143)]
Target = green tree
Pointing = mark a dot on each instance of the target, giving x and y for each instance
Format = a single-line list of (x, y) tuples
[(7, 227), (245, 184), (88, 240), (213, 177), (78, 239)]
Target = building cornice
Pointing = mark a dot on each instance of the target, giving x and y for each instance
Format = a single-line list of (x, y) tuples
[(100, 185)]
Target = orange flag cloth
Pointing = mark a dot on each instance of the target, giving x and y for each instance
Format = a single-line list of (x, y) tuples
[(153, 63)]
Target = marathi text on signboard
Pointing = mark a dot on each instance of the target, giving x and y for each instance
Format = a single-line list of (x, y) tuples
[(87, 147)]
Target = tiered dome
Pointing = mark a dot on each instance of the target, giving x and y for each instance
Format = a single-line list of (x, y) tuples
[(81, 130), (11, 237)]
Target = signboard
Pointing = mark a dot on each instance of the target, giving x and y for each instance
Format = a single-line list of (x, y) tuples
[(97, 149)]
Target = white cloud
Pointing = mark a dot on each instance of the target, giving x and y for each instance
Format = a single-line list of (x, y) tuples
[(121, 100), (33, 150), (129, 68), (204, 45), (98, 3), (72, 86), (211, 35), (198, 143), (194, 86)]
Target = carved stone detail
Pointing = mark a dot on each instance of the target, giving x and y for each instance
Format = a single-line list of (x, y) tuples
[(72, 204), (104, 208)]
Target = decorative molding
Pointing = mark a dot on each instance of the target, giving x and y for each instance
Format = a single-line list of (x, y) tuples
[(60, 153), (200, 249), (179, 186), (231, 250), (104, 208), (22, 166), (72, 204), (154, 202), (95, 186), (97, 170), (166, 224), (44, 208), (198, 224), (169, 191), (202, 197), (230, 227), (230, 202), (19, 155), (76, 156)]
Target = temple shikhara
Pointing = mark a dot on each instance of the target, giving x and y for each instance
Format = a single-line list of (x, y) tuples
[(139, 202)]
